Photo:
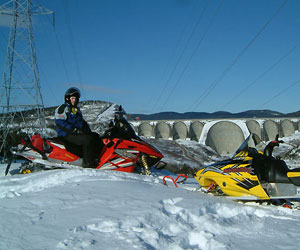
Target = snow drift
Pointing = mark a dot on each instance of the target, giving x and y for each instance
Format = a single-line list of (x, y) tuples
[(90, 209)]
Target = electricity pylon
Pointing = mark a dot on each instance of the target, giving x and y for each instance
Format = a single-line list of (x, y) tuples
[(21, 101)]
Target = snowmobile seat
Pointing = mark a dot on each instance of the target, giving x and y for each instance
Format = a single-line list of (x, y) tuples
[(70, 147), (277, 171), (258, 163), (57, 139), (273, 170)]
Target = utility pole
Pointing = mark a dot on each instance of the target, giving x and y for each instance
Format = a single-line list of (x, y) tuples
[(21, 102)]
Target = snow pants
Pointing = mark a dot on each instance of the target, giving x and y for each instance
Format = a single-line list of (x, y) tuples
[(91, 147)]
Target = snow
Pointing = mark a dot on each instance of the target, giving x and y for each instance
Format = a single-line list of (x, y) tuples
[(108, 114), (90, 209)]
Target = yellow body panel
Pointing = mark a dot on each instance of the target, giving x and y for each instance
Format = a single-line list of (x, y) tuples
[(233, 179), (293, 174)]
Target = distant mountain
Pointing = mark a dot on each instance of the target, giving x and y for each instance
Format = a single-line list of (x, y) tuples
[(294, 114), (92, 109), (215, 115)]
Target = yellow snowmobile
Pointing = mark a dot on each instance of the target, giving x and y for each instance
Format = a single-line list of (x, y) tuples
[(251, 175)]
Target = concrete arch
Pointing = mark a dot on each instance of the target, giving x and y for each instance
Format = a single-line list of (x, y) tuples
[(145, 129), (271, 130), (162, 130), (195, 130), (287, 127), (253, 127), (180, 130), (225, 137)]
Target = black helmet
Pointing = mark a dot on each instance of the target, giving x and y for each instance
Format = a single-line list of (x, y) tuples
[(73, 91)]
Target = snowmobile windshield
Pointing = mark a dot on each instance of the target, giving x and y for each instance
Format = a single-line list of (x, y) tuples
[(250, 142), (244, 146), (122, 129), (128, 129)]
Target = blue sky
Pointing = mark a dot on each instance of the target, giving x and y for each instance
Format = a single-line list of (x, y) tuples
[(170, 55)]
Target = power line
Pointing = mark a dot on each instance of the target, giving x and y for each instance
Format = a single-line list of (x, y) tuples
[(260, 76), (184, 49), (280, 93), (213, 85), (74, 51), (60, 53), (45, 75), (194, 53), (2, 46), (53, 94), (167, 66)]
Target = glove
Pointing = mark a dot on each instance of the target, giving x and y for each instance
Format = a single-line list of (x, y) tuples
[(107, 134), (77, 131)]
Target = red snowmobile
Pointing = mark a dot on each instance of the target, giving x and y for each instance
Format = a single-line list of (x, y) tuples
[(123, 151)]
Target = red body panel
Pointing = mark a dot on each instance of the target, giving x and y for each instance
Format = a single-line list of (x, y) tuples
[(61, 154), (110, 158)]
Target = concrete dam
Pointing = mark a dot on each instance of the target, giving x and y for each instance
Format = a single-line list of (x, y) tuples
[(223, 135)]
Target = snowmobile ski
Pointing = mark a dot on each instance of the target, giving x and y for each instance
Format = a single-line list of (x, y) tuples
[(181, 178)]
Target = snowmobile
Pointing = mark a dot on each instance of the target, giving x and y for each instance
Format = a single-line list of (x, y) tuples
[(251, 174), (123, 151)]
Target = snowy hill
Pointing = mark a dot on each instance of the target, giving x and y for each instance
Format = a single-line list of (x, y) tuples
[(90, 209)]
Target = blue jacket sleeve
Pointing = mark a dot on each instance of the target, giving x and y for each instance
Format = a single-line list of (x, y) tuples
[(61, 120)]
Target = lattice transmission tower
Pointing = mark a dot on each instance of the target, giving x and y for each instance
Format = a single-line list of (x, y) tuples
[(21, 101)]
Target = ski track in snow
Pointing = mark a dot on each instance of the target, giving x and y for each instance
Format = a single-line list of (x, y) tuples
[(90, 209)]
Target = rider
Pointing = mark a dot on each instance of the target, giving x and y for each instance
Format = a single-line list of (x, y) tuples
[(74, 130)]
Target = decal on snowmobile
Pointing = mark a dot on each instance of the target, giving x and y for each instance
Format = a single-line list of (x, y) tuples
[(237, 169), (246, 183)]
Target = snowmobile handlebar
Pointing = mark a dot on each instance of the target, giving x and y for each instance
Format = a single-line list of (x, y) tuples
[(269, 148), (119, 114), (120, 127)]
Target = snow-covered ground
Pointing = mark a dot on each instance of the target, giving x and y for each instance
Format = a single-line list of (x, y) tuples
[(90, 209)]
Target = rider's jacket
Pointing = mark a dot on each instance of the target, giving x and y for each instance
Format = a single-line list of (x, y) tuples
[(69, 120)]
